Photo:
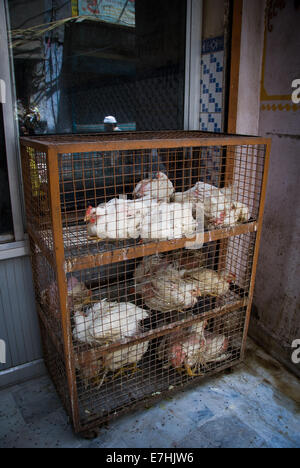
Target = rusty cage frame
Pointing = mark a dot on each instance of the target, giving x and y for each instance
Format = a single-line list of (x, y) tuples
[(46, 224)]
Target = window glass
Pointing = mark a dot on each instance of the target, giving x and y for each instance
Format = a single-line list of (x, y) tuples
[(78, 61), (6, 226)]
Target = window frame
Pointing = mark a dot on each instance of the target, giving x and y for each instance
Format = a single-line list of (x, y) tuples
[(11, 134), (194, 19)]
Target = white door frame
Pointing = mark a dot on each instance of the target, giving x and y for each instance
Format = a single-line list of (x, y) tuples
[(193, 64), (10, 128)]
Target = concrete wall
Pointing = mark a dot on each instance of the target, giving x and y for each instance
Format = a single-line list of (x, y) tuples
[(276, 315), (250, 67), (269, 62), (18, 322), (213, 18)]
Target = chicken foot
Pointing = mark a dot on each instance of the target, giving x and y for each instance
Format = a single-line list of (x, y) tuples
[(132, 369), (191, 371)]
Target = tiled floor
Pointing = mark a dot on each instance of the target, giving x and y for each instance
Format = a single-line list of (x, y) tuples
[(257, 405)]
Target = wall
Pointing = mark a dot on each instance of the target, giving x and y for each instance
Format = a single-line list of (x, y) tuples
[(18, 321), (250, 67), (276, 314)]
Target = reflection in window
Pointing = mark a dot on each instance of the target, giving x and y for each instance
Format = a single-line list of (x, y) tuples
[(112, 11), (114, 57), (6, 225)]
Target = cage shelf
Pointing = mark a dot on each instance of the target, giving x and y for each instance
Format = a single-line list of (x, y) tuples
[(93, 254)]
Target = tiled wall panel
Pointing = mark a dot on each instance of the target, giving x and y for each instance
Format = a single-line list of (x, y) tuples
[(212, 76)]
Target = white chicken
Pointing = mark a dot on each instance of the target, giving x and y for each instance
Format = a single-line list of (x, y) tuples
[(154, 264), (169, 221), (166, 285), (78, 296), (125, 356), (117, 219), (180, 349), (215, 349), (93, 368), (220, 209), (162, 285), (159, 188), (210, 282), (88, 365), (110, 322), (193, 350), (152, 220)]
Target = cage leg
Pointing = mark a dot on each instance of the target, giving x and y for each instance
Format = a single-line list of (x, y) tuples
[(90, 434)]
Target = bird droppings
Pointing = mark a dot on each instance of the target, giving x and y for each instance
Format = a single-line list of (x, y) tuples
[(274, 375)]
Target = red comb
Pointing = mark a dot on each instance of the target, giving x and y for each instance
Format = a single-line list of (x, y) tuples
[(88, 215)]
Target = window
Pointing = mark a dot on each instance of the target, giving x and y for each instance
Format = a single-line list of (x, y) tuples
[(6, 225), (126, 59), (138, 60)]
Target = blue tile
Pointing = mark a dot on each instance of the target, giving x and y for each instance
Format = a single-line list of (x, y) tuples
[(11, 419), (36, 399), (212, 45), (240, 435)]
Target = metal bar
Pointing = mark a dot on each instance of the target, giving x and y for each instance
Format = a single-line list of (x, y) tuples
[(40, 146), (229, 174), (257, 243), (127, 144), (61, 279)]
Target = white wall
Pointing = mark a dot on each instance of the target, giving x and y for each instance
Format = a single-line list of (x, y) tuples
[(276, 318), (275, 321), (250, 67)]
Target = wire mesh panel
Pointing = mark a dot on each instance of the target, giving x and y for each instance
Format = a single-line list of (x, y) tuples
[(37, 197), (115, 200), (158, 366), (144, 246)]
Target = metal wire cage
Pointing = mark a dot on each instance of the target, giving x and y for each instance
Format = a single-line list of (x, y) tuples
[(144, 250)]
